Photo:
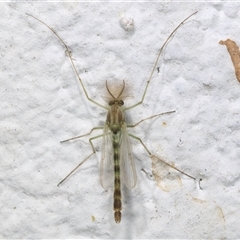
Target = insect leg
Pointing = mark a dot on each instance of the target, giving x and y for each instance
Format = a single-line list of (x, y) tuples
[(150, 154), (157, 115), (94, 151), (71, 60), (155, 64), (69, 139)]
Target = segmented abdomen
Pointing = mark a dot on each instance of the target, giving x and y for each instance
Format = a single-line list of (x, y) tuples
[(117, 204)]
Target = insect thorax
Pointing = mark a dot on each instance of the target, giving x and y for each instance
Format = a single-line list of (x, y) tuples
[(115, 116)]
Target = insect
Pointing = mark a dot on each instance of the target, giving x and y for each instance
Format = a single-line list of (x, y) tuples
[(117, 163)]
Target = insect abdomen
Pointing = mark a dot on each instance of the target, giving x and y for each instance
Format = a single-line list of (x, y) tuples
[(117, 204)]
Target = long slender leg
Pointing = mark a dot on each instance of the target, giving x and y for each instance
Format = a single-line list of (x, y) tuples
[(94, 151), (150, 154), (71, 60), (157, 115), (69, 139), (155, 64)]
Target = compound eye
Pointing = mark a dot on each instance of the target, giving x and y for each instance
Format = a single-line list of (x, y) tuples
[(111, 102), (121, 102)]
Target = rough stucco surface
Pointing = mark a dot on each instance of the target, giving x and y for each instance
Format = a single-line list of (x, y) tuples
[(42, 103)]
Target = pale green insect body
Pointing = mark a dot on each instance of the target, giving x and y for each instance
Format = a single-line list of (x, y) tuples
[(116, 154)]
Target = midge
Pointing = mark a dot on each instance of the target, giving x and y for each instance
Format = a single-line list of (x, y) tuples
[(117, 164)]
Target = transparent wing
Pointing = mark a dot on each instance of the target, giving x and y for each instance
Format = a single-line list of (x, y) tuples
[(127, 166), (107, 163)]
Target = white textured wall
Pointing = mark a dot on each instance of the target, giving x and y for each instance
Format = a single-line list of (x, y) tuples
[(42, 103)]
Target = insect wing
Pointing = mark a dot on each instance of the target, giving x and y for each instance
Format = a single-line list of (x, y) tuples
[(127, 166), (107, 165)]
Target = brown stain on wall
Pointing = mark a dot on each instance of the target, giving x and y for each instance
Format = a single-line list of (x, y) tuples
[(233, 50)]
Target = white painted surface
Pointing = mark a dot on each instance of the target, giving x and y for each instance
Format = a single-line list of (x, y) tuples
[(42, 103)]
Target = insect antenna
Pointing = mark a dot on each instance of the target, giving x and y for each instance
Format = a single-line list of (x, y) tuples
[(115, 98), (121, 90), (109, 90)]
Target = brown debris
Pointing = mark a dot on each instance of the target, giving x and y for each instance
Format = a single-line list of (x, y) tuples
[(235, 55)]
